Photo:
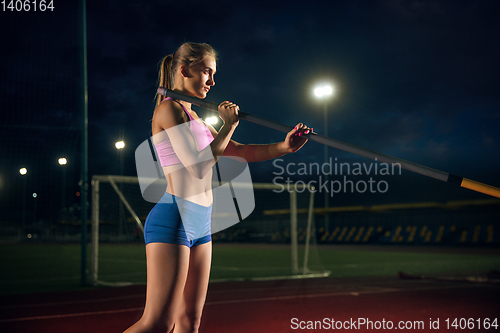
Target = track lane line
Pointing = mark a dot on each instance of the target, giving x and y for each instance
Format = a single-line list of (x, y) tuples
[(73, 302), (261, 299), (81, 314)]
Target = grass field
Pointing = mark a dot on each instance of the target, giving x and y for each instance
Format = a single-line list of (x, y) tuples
[(47, 267)]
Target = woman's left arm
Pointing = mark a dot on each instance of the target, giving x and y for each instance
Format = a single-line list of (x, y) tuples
[(294, 140)]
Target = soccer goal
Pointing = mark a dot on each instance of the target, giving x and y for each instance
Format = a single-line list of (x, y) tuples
[(279, 235)]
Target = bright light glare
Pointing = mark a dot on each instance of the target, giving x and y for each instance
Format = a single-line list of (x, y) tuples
[(62, 161), (323, 91), (23, 171), (35, 195), (211, 120), (120, 145), (327, 90), (318, 91)]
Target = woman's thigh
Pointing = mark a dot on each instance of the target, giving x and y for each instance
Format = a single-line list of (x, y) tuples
[(167, 270)]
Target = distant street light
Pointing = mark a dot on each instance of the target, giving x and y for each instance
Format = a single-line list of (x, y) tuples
[(323, 92), (120, 145), (34, 211), (63, 161), (23, 172)]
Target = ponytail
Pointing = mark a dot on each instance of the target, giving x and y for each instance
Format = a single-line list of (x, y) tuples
[(165, 76)]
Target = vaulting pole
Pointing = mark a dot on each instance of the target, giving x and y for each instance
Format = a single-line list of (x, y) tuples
[(417, 168)]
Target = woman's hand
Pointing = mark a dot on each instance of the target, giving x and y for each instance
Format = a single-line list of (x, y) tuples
[(229, 113), (295, 138)]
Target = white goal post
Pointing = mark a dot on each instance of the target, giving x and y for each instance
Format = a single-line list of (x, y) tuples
[(132, 199)]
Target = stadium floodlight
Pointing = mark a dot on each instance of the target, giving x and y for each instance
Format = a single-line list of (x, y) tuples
[(323, 91), (62, 161), (120, 145), (23, 171)]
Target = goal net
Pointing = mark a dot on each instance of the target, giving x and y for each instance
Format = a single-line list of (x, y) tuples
[(277, 240)]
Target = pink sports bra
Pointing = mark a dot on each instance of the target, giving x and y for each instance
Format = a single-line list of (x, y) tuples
[(201, 133)]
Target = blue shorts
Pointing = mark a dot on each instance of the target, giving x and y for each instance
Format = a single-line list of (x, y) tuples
[(175, 220)]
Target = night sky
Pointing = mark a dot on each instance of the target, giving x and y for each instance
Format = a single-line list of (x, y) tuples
[(417, 80)]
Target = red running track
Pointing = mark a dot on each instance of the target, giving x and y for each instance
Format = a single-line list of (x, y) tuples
[(271, 306)]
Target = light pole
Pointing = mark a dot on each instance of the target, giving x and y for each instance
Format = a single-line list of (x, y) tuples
[(62, 162), (23, 172), (323, 92), (35, 195), (119, 146)]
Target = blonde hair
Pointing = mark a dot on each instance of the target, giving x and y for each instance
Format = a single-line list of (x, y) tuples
[(188, 54)]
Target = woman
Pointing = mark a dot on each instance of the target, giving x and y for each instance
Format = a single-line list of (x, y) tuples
[(178, 263)]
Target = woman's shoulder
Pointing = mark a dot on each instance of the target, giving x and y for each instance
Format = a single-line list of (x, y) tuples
[(170, 110), (168, 114)]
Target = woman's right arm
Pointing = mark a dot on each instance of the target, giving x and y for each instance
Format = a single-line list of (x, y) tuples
[(229, 114)]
